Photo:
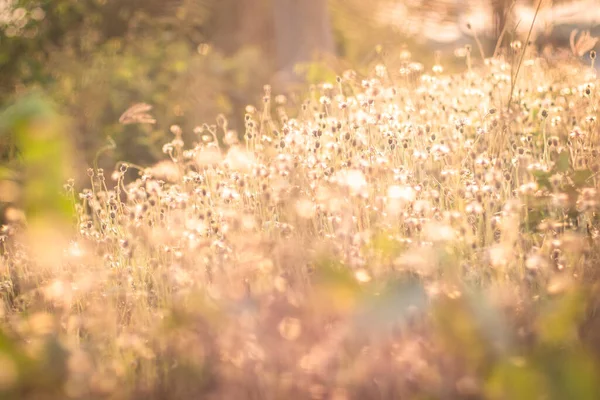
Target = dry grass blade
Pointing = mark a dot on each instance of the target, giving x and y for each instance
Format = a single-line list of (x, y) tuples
[(514, 82), (479, 46), (137, 114), (504, 28), (583, 44)]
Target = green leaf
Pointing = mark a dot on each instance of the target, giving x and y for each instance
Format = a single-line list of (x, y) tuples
[(6, 173), (385, 245), (516, 380), (569, 371), (459, 332), (581, 177), (336, 289), (559, 324), (542, 178), (533, 220), (563, 163)]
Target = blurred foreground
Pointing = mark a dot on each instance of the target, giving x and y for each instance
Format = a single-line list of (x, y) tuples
[(426, 236), (414, 230)]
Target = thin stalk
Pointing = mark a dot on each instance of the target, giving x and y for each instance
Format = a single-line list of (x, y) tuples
[(110, 146), (514, 83), (504, 28), (479, 46)]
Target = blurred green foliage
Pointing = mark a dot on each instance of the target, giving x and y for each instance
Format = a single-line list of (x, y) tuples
[(37, 133), (25, 372), (96, 58), (190, 59)]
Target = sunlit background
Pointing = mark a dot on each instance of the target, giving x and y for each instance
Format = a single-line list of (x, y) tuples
[(194, 59), (299, 199)]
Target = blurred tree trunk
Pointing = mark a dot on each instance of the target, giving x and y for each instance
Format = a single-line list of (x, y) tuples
[(302, 31), (256, 27), (236, 24)]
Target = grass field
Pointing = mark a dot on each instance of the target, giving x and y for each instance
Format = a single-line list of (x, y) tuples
[(414, 235)]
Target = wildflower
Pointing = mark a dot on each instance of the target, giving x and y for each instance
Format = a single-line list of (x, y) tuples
[(238, 159), (166, 170)]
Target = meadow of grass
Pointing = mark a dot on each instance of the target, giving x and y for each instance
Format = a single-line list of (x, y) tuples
[(412, 235)]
